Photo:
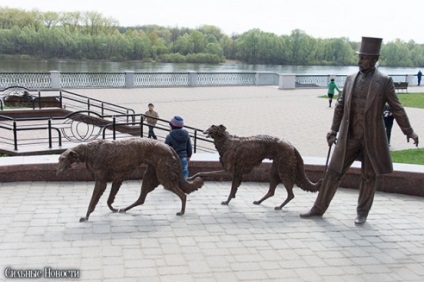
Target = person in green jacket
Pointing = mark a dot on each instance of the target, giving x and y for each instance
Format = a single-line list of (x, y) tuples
[(331, 87)]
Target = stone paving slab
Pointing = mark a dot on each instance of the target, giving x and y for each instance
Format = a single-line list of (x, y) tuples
[(240, 242)]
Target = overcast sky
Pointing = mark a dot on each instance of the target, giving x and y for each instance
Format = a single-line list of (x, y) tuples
[(318, 18)]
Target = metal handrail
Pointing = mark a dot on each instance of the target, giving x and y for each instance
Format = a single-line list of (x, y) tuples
[(89, 102), (45, 126), (94, 113)]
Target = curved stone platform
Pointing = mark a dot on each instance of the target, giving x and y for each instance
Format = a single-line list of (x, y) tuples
[(406, 179)]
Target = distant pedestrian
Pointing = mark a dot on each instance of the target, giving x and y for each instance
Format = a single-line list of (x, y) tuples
[(151, 117), (419, 74), (331, 87), (388, 121), (179, 140)]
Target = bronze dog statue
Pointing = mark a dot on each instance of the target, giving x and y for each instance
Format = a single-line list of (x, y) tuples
[(239, 155), (113, 161)]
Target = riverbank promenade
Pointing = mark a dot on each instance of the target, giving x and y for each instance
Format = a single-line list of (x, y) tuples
[(40, 232), (297, 115)]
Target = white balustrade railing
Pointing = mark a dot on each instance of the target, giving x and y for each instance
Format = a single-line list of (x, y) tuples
[(64, 80)]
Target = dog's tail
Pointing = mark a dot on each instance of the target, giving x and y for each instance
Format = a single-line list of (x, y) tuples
[(191, 186), (302, 179), (187, 186)]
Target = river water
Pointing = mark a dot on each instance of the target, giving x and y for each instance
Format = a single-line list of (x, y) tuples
[(13, 65)]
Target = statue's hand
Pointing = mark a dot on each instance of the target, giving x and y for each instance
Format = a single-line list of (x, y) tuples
[(331, 138), (414, 137)]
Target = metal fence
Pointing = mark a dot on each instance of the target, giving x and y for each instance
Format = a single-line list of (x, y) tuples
[(92, 80), (73, 119), (44, 135), (65, 99), (29, 80), (164, 79), (58, 80)]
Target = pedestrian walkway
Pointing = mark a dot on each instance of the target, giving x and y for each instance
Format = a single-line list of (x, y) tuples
[(40, 228), (211, 242), (299, 115)]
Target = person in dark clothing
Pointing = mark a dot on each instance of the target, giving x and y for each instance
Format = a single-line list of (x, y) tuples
[(388, 121), (419, 75), (179, 139)]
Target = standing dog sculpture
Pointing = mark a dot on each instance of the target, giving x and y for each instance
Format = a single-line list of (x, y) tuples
[(239, 155), (113, 161)]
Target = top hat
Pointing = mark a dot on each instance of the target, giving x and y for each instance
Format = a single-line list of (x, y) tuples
[(370, 46)]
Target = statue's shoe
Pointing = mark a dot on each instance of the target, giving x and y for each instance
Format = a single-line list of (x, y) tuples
[(360, 220), (312, 213)]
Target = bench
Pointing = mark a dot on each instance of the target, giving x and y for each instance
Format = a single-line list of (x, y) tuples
[(32, 102), (20, 97), (401, 86), (47, 102)]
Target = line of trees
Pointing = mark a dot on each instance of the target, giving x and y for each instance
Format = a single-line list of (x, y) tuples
[(89, 35)]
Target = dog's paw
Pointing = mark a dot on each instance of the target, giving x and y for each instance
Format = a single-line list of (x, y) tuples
[(278, 208), (122, 211), (224, 203), (180, 213), (256, 202), (83, 219)]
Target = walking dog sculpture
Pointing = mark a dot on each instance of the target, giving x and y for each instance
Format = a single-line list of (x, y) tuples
[(113, 161), (239, 155)]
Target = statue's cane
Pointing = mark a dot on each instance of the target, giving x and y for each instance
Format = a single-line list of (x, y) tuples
[(328, 157)]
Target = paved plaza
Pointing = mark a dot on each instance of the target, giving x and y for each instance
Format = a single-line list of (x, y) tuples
[(211, 242), (40, 232), (299, 115)]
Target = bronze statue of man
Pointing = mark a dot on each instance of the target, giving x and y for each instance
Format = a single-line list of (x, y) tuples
[(359, 128)]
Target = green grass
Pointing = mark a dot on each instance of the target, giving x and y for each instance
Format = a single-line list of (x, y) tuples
[(412, 100), (410, 156)]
